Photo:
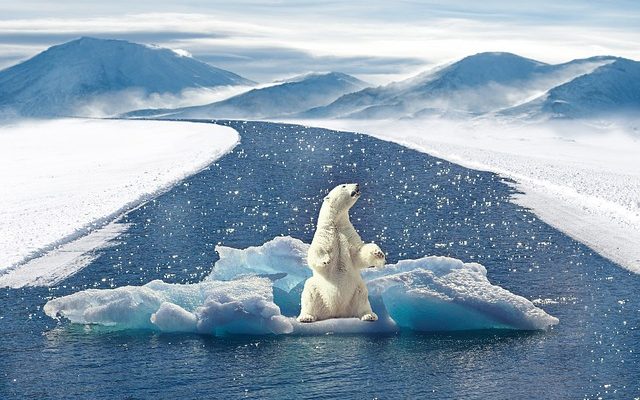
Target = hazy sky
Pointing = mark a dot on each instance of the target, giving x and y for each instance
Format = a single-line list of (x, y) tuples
[(374, 40)]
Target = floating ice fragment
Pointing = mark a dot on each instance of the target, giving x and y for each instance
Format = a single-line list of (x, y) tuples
[(243, 306), (445, 294), (282, 254)]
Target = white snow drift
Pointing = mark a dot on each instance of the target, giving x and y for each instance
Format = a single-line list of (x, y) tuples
[(61, 178), (582, 178), (429, 294)]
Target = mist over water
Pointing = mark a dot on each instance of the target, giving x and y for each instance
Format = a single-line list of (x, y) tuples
[(115, 103)]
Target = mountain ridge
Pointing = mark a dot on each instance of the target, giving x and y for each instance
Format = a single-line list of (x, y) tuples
[(474, 85), (281, 99), (80, 76), (613, 88)]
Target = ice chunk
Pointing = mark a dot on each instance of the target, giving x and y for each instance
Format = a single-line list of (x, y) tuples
[(445, 294), (243, 306), (171, 317), (282, 254), (128, 307)]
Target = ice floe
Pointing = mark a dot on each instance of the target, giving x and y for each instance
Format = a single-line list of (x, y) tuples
[(257, 291)]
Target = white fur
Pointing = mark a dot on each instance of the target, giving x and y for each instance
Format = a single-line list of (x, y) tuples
[(336, 255)]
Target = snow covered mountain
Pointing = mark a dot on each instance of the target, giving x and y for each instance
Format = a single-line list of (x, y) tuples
[(101, 77), (475, 85), (613, 88), (64, 78), (289, 97)]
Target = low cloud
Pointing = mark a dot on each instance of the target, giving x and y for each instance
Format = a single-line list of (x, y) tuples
[(379, 41), (265, 64), (51, 38), (113, 104)]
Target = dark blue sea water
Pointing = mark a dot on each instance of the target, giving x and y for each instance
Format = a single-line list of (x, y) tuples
[(412, 205)]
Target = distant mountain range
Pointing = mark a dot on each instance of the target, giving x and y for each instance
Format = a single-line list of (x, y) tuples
[(279, 100), (479, 84), (63, 79), (59, 80)]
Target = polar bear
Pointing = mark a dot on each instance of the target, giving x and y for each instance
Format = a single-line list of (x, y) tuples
[(336, 255)]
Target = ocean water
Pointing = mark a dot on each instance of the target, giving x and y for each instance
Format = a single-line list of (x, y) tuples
[(412, 205)]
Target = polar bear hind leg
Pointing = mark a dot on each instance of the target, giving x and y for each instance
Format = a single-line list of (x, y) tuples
[(361, 300), (369, 317), (304, 318), (313, 306)]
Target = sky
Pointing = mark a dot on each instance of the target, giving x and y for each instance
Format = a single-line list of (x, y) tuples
[(378, 41)]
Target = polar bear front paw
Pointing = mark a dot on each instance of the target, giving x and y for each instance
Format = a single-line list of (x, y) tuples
[(321, 262), (305, 318), (372, 256), (369, 317)]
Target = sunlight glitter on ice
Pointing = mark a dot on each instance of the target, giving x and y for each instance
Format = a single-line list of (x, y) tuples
[(257, 291)]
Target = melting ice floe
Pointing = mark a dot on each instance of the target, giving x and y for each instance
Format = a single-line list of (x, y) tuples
[(257, 291)]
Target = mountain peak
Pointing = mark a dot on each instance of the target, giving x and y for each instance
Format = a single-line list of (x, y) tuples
[(94, 41), (497, 55), (63, 77), (613, 88), (496, 65), (477, 70), (326, 76)]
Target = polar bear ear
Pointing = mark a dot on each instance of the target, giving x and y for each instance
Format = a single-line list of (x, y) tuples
[(327, 198)]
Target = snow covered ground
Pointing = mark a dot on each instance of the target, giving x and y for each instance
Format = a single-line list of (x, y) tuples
[(582, 179), (61, 178)]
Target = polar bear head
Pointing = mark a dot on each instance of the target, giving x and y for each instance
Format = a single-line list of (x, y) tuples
[(342, 197)]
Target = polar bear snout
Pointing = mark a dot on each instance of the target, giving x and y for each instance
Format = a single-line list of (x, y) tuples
[(356, 191)]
